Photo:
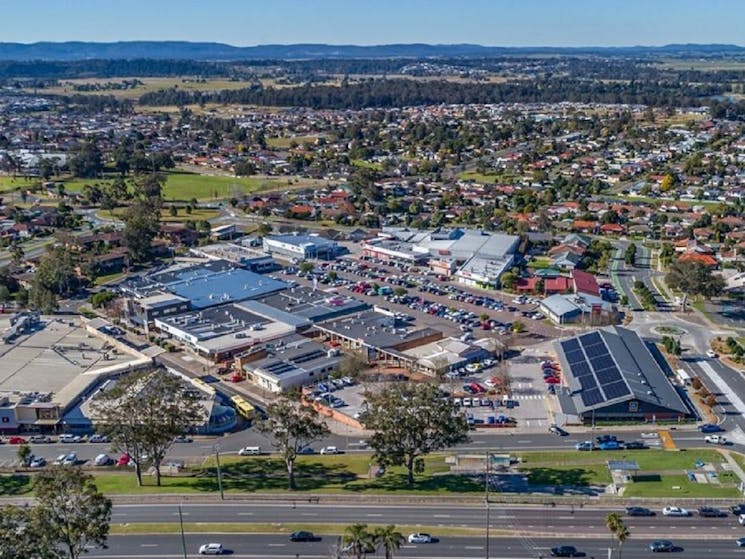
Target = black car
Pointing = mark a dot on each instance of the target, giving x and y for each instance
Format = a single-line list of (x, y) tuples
[(565, 551), (661, 546), (639, 511), (738, 509), (635, 445), (606, 438), (711, 512), (303, 536)]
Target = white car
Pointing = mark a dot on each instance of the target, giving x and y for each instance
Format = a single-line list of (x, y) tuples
[(98, 438), (419, 537), (675, 511), (715, 439), (37, 462), (103, 460), (70, 459), (69, 438), (711, 353), (330, 450), (211, 549)]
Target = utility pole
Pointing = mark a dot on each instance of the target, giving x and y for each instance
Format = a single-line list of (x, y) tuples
[(486, 503), (181, 525), (219, 472)]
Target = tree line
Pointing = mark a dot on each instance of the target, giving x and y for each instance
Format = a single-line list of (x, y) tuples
[(407, 92)]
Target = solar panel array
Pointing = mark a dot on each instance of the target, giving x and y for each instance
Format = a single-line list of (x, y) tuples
[(594, 368)]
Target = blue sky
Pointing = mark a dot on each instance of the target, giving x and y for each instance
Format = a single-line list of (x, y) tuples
[(365, 22)]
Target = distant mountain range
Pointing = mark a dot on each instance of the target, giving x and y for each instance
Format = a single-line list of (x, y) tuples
[(221, 52)]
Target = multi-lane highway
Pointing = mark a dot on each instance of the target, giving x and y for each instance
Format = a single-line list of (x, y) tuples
[(534, 519), (257, 546)]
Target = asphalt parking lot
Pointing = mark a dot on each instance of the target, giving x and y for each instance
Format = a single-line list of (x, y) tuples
[(431, 291)]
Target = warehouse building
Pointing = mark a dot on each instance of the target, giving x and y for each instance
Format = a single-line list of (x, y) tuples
[(611, 374)]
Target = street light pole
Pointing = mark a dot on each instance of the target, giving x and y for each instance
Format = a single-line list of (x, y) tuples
[(181, 525), (219, 472), (486, 503)]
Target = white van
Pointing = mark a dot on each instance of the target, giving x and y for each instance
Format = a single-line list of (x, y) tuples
[(250, 451), (330, 450)]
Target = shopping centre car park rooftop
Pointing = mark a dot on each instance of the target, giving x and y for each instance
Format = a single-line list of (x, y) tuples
[(52, 356)]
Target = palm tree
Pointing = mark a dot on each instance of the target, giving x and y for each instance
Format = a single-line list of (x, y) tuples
[(389, 538), (618, 529), (358, 540)]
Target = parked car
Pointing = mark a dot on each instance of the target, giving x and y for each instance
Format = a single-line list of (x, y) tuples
[(40, 439), (711, 512), (16, 440), (565, 551), (610, 445), (635, 445), (715, 439), (737, 509), (183, 439), (661, 546), (103, 460), (639, 511), (123, 460), (37, 462), (605, 438), (419, 537), (98, 438), (711, 353), (585, 445), (69, 438), (740, 542), (303, 536), (211, 549), (675, 511), (70, 459), (330, 450)]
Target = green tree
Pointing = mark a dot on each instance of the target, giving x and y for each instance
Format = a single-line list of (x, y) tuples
[(405, 433), (630, 255), (518, 327), (70, 511), (55, 277), (141, 421), (359, 540), (141, 225), (306, 267), (390, 538), (618, 529), (291, 426), (509, 280), (694, 279), (87, 161), (24, 454), (264, 229), (20, 536)]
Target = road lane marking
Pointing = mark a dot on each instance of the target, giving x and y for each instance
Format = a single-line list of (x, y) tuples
[(667, 440)]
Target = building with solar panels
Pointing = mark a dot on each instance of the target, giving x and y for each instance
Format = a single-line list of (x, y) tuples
[(612, 374)]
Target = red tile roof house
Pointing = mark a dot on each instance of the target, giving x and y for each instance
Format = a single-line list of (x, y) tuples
[(705, 259), (585, 226), (552, 286), (612, 229), (584, 282), (527, 285)]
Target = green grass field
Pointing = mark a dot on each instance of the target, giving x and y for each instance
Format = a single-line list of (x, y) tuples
[(284, 142), (348, 473)]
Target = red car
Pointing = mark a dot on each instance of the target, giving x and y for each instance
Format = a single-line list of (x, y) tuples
[(552, 380), (123, 460), (16, 440)]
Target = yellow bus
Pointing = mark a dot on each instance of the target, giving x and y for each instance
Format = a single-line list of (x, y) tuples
[(244, 408)]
